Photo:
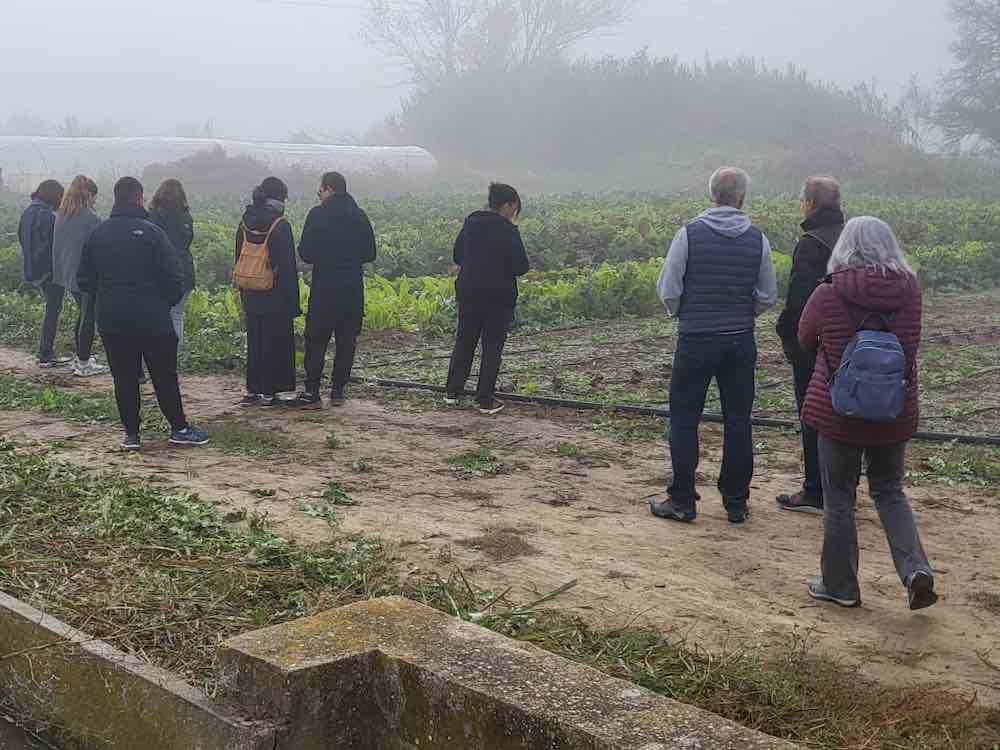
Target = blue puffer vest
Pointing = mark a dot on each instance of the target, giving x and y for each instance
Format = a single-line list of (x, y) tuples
[(720, 279)]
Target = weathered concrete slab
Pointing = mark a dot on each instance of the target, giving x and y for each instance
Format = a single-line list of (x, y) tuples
[(85, 694), (392, 674)]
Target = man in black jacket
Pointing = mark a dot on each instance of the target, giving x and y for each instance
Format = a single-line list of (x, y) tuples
[(130, 266), (337, 240), (491, 256), (824, 221)]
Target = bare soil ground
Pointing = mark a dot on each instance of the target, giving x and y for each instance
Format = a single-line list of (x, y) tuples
[(566, 502)]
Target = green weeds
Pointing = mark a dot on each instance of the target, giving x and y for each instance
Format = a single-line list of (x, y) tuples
[(477, 463)]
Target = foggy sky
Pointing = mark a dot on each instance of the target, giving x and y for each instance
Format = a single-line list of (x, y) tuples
[(263, 68)]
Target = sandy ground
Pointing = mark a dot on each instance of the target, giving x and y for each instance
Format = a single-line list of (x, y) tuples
[(552, 518)]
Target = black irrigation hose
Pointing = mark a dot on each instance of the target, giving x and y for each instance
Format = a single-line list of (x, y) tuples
[(648, 411)]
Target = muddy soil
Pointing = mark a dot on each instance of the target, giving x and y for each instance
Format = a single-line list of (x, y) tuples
[(569, 502)]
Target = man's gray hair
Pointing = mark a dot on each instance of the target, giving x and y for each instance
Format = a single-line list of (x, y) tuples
[(867, 242), (728, 186), (823, 191)]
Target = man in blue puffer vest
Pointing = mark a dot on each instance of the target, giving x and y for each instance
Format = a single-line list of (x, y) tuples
[(717, 278)]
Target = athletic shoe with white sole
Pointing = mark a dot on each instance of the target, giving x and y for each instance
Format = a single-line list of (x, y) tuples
[(189, 436), (493, 407), (451, 400), (88, 369), (131, 443), (818, 592), (48, 364)]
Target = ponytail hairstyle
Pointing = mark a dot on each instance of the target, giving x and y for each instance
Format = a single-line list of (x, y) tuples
[(81, 194)]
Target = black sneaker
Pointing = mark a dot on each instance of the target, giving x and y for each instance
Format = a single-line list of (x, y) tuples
[(338, 398), (738, 515), (269, 401), (800, 502), (131, 443), (251, 400), (309, 401), (818, 591), (669, 510), (920, 590), (452, 400)]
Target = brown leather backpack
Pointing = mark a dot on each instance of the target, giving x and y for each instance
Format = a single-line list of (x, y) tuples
[(253, 271)]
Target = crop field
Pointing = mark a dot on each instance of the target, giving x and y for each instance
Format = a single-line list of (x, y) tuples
[(286, 514)]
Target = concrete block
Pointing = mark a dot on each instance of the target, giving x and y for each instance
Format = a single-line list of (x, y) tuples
[(392, 674), (84, 694)]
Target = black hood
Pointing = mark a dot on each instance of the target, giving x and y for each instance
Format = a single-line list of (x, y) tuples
[(259, 218), (340, 205), (488, 223)]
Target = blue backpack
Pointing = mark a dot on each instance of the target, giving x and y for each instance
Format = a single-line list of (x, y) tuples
[(872, 380)]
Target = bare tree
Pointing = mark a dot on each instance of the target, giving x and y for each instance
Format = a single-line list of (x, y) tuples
[(916, 108), (440, 40), (971, 107)]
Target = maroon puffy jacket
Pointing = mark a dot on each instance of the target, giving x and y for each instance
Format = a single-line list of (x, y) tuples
[(829, 323)]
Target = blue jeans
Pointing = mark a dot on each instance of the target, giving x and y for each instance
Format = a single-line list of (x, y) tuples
[(732, 360)]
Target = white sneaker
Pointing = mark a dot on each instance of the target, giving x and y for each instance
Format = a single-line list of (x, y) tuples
[(89, 369)]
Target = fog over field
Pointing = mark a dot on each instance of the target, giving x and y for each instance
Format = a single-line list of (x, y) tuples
[(264, 68)]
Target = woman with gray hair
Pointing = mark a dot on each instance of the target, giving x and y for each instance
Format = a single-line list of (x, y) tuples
[(870, 287)]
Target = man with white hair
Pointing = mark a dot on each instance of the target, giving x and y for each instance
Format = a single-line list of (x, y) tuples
[(717, 278)]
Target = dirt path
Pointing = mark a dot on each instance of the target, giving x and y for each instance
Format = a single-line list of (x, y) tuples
[(579, 511)]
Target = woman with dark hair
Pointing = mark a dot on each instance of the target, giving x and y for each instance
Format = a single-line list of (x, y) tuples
[(35, 233), (272, 305), (491, 256), (169, 210), (75, 220)]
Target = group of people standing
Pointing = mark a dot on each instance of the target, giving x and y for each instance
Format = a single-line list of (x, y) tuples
[(848, 281), (132, 275)]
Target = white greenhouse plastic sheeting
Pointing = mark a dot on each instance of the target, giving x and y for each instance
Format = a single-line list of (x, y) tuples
[(25, 160)]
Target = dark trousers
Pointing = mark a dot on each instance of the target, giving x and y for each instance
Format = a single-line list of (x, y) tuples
[(841, 470), (270, 354), (489, 324), (125, 354), (50, 325), (803, 365), (342, 322), (84, 331), (731, 360)]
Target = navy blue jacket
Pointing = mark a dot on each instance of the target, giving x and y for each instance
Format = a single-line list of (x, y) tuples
[(491, 255), (131, 267), (337, 240), (722, 273), (35, 232)]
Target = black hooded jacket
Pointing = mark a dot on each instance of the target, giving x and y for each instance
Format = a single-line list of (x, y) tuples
[(179, 227), (337, 240), (491, 256), (130, 266), (283, 299), (812, 254)]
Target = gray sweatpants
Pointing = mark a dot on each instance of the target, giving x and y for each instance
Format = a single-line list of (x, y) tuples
[(840, 466)]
